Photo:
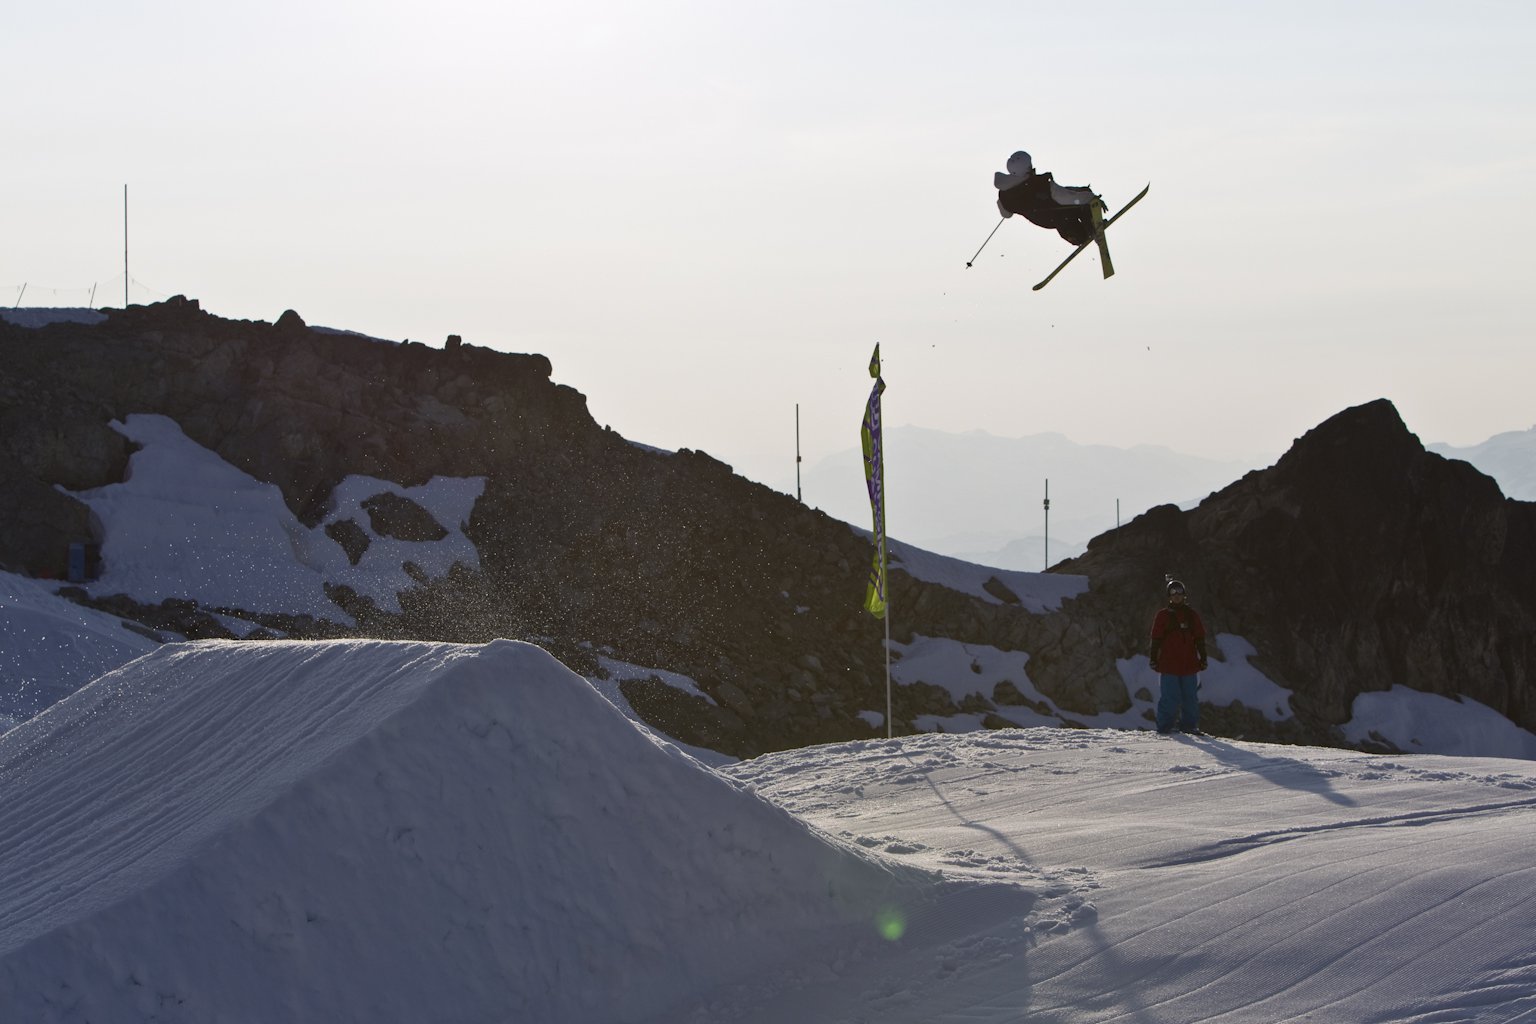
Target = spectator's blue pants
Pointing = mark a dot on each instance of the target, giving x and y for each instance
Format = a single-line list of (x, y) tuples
[(1180, 702)]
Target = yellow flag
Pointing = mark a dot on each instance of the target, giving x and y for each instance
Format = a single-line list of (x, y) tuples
[(874, 478)]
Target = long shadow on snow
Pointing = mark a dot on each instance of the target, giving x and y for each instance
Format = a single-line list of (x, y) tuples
[(1280, 771)]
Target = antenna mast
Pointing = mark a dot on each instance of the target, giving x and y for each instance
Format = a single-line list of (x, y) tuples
[(797, 454), (1047, 525)]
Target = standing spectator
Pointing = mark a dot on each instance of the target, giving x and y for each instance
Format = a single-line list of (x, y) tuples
[(1178, 654)]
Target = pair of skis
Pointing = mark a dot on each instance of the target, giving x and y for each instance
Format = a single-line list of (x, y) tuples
[(1099, 226)]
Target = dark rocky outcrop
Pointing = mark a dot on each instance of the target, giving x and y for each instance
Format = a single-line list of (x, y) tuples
[(292, 406), (354, 540), (391, 515), (1358, 561), (586, 541)]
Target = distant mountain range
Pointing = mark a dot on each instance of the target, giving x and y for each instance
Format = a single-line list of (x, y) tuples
[(981, 497), (1510, 458)]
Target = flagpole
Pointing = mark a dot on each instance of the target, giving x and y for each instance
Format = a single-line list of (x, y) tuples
[(877, 596), (888, 726), (885, 559)]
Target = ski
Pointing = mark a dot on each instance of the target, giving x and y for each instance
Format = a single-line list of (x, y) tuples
[(1098, 236), (1096, 214)]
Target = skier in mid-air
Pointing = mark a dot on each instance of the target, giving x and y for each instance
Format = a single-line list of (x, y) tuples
[(1075, 212), (1067, 209)]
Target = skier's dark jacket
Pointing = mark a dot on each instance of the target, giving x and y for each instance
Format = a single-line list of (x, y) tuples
[(1178, 641), (1035, 195), (1034, 202)]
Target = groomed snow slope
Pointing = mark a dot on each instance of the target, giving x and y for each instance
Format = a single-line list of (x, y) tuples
[(49, 647), (371, 831), (408, 832), (1221, 881)]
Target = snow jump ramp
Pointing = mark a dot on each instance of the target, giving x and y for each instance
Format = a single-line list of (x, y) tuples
[(391, 831)]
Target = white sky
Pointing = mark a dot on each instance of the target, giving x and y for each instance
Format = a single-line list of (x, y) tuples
[(705, 213)]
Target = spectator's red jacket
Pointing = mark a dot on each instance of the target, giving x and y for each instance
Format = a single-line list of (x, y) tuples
[(1178, 641)]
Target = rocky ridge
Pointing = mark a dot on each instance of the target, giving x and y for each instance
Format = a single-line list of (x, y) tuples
[(1359, 560)]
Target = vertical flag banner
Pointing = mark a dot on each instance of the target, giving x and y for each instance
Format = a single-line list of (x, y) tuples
[(874, 478)]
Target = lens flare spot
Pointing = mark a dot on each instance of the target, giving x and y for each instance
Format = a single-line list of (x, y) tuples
[(891, 923)]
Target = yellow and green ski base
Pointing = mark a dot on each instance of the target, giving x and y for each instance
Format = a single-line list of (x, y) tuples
[(1096, 213), (1099, 226)]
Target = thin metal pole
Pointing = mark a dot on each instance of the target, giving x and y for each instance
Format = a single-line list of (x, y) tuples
[(885, 574), (888, 726), (19, 295), (984, 244), (797, 452), (1047, 525), (1117, 513), (125, 246)]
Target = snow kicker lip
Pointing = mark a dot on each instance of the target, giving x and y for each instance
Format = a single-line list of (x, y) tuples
[(244, 805)]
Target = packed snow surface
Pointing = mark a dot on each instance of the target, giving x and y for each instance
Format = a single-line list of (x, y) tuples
[(374, 831), (1415, 722), (976, 670), (392, 831), (49, 647), (187, 524), (1184, 879), (1036, 591)]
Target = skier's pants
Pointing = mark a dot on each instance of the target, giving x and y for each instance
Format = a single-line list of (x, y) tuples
[(1180, 702)]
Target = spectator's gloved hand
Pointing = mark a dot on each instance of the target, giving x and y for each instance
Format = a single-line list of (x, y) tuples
[(1202, 664)]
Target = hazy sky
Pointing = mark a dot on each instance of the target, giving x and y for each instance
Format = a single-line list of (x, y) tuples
[(706, 212)]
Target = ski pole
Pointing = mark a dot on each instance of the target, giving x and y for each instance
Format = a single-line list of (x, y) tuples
[(984, 244)]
